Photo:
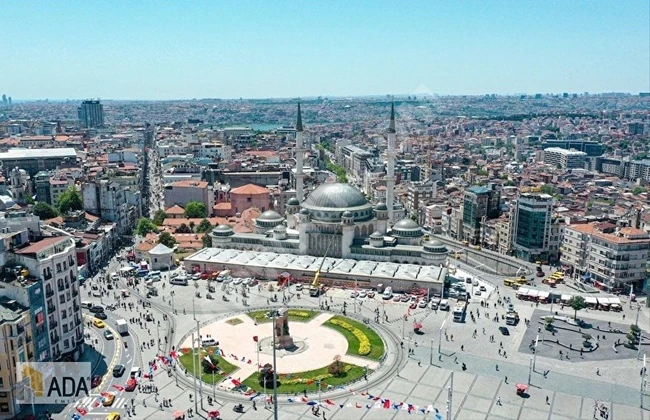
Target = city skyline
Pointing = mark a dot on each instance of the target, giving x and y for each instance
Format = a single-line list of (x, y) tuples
[(255, 50)]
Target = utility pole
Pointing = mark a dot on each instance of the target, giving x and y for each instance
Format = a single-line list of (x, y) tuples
[(196, 406), (275, 375), (198, 355), (643, 374), (535, 354)]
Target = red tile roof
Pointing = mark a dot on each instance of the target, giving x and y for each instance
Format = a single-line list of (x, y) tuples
[(175, 210), (39, 246), (249, 189)]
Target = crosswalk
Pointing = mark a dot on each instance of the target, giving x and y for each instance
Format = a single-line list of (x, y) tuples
[(93, 402)]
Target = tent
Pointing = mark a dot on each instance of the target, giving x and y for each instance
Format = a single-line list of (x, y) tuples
[(565, 298)]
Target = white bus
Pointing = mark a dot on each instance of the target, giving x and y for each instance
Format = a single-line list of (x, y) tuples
[(459, 311)]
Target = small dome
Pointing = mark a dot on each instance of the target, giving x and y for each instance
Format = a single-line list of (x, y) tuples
[(293, 201), (376, 235), (406, 224), (270, 216), (347, 213), (435, 246), (381, 207), (280, 228), (304, 211), (223, 228)]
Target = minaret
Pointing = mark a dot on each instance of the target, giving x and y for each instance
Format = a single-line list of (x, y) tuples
[(390, 169), (300, 153)]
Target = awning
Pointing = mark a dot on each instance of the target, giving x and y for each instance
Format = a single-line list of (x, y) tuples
[(522, 291), (543, 294), (566, 298), (586, 276), (603, 301), (614, 301), (590, 299), (532, 293)]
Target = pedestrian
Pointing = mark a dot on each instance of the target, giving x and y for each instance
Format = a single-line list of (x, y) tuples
[(598, 372), (497, 366), (547, 399), (419, 363), (462, 348), (498, 400), (506, 381), (255, 405)]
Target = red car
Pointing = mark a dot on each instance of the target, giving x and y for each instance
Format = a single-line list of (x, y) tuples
[(131, 384), (95, 381)]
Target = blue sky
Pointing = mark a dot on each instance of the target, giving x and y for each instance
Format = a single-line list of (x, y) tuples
[(256, 49)]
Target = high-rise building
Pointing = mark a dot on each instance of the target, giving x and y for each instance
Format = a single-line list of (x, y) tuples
[(479, 203), (591, 148), (533, 227), (565, 159), (91, 114), (4, 99)]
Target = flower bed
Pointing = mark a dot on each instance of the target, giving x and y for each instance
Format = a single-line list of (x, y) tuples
[(364, 343)]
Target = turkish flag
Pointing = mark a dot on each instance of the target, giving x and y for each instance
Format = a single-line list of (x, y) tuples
[(82, 411), (118, 387), (255, 338), (96, 404)]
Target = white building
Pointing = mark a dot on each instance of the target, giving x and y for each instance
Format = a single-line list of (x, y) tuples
[(565, 159)]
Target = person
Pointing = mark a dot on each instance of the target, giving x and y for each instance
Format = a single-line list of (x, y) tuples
[(498, 400), (547, 399), (255, 405), (598, 372), (506, 379)]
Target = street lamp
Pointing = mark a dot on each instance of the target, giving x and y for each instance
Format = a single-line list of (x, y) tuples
[(440, 337), (535, 354)]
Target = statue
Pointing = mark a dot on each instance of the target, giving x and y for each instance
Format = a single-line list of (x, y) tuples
[(282, 338)]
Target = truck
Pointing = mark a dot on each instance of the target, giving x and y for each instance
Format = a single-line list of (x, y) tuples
[(516, 283), (512, 318), (122, 327), (459, 311)]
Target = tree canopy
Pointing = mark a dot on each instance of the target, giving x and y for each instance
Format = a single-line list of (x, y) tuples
[(195, 210), (70, 199), (145, 226), (167, 239), (159, 217), (576, 303), (44, 211), (183, 228), (638, 190), (204, 226)]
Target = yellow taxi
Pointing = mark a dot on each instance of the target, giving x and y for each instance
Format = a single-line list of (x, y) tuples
[(98, 323), (113, 416), (108, 399)]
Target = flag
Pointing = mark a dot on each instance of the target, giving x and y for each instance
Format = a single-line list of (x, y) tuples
[(118, 387), (357, 405), (256, 338), (82, 411), (329, 402), (386, 403)]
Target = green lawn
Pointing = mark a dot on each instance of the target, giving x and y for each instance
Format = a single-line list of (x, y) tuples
[(353, 374), (260, 316), (186, 361), (376, 343)]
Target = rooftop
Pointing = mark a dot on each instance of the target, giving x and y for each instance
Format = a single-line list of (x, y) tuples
[(625, 236), (190, 184), (249, 189), (36, 247), (18, 153)]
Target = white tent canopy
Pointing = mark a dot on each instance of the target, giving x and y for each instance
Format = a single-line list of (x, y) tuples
[(591, 299)]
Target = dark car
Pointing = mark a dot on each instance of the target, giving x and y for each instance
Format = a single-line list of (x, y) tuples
[(96, 309), (95, 381), (504, 330), (540, 274), (101, 315), (118, 370), (108, 335)]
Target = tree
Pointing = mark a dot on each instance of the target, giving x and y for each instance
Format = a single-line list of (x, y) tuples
[(209, 363), (337, 368), (44, 211), (576, 303), (207, 242), (183, 228), (548, 321), (70, 199), (266, 376), (195, 210), (204, 226), (145, 226), (159, 217), (638, 190), (548, 189), (167, 239)]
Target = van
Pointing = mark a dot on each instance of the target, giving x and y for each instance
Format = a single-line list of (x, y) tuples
[(444, 305), (114, 276), (154, 275), (208, 342), (388, 293), (135, 373), (181, 281), (435, 303), (86, 305)]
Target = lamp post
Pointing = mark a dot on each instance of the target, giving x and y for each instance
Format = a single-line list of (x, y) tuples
[(530, 370), (535, 354), (638, 353), (198, 333), (450, 394), (275, 375), (196, 406), (440, 337), (643, 374), (431, 354)]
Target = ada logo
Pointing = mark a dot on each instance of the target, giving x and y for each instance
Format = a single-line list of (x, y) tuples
[(53, 383)]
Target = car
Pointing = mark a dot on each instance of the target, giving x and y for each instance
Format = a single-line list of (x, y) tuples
[(96, 309), (413, 305), (414, 298), (397, 298), (477, 292), (371, 294), (237, 281), (101, 315), (253, 282), (405, 298), (98, 323), (130, 385), (423, 303), (299, 287), (540, 274), (108, 335), (247, 281), (97, 293), (95, 381), (113, 416), (511, 307), (475, 282), (504, 330), (118, 370), (482, 288), (362, 294), (354, 294), (196, 276), (468, 280), (109, 398)]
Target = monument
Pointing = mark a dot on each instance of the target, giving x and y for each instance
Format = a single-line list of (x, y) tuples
[(282, 338)]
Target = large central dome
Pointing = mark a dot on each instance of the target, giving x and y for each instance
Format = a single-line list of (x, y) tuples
[(328, 202)]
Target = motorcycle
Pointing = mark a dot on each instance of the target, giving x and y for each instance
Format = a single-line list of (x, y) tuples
[(225, 299), (238, 408), (208, 296)]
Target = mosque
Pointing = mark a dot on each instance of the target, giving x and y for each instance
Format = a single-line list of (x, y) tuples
[(336, 221)]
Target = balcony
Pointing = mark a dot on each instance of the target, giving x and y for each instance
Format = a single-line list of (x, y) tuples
[(76, 307), (50, 308), (55, 339), (20, 330), (30, 356), (53, 324), (75, 293), (47, 276), (28, 339), (49, 293), (61, 288)]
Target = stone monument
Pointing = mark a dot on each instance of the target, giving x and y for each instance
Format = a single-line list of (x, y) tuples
[(282, 338)]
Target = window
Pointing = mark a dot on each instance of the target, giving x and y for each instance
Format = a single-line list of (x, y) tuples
[(58, 268), (66, 344)]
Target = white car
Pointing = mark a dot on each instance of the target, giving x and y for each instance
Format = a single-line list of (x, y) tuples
[(477, 292), (237, 281), (196, 276), (423, 303), (354, 294), (482, 289), (299, 287), (247, 281), (362, 294)]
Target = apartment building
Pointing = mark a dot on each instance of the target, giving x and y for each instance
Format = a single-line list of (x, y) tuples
[(182, 192), (565, 159), (419, 194), (533, 228), (610, 257), (113, 202), (479, 204)]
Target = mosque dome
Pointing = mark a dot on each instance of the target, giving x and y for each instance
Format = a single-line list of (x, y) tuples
[(406, 227), (293, 201), (435, 246), (328, 202), (270, 216), (377, 235), (381, 207), (223, 230), (347, 213)]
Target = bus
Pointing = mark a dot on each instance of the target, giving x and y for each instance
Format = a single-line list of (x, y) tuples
[(459, 311)]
